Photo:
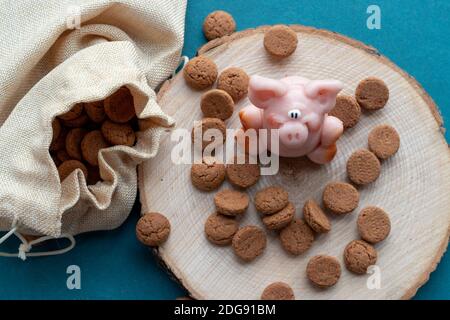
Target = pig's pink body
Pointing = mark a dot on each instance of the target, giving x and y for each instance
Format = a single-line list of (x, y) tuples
[(298, 108)]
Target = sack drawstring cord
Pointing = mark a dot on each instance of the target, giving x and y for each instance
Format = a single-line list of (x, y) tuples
[(25, 246)]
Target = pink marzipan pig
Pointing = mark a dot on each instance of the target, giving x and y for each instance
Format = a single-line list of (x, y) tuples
[(299, 108)]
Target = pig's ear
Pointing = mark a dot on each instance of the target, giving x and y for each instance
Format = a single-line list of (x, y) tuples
[(325, 91), (261, 90)]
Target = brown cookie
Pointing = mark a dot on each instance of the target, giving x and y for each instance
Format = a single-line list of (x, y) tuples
[(280, 219), (271, 199), (315, 217), (230, 202), (153, 229), (207, 175), (56, 127), (323, 271), (249, 242), (118, 133), (91, 144), (347, 110), (95, 111), (278, 291), (79, 122), (280, 41), (93, 175), (243, 175), (363, 167), (340, 197), (119, 107), (59, 143), (358, 256), (73, 113), (217, 103), (205, 132), (200, 73), (184, 298), (73, 142), (297, 237), (62, 155), (384, 141), (67, 167), (235, 82), (220, 229), (218, 24), (372, 93), (373, 224)]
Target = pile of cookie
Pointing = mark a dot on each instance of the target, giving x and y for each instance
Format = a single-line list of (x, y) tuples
[(278, 213), (87, 128), (217, 104)]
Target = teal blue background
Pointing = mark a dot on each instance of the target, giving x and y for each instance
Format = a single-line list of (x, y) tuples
[(114, 265)]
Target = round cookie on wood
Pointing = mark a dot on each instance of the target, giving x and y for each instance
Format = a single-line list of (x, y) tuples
[(280, 219), (278, 291), (184, 298), (208, 175), (95, 111), (73, 113), (373, 224), (363, 167), (340, 197), (359, 256), (119, 107), (271, 199), (243, 175), (153, 229), (118, 133), (200, 73), (315, 217), (234, 81), (67, 167), (217, 103), (91, 144), (384, 141), (347, 110), (220, 229), (372, 93), (323, 271), (231, 202), (280, 41), (249, 242), (218, 24), (206, 131), (73, 142), (297, 237)]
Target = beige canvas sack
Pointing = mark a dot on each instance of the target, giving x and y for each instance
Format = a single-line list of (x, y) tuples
[(54, 54)]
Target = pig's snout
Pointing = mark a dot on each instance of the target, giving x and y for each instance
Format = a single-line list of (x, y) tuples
[(293, 134)]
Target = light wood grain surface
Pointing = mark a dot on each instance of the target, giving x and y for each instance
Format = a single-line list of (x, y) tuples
[(413, 188)]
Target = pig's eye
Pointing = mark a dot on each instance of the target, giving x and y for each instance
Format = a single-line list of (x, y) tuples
[(294, 114)]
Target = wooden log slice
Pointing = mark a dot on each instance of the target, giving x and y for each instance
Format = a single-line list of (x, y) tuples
[(413, 187)]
